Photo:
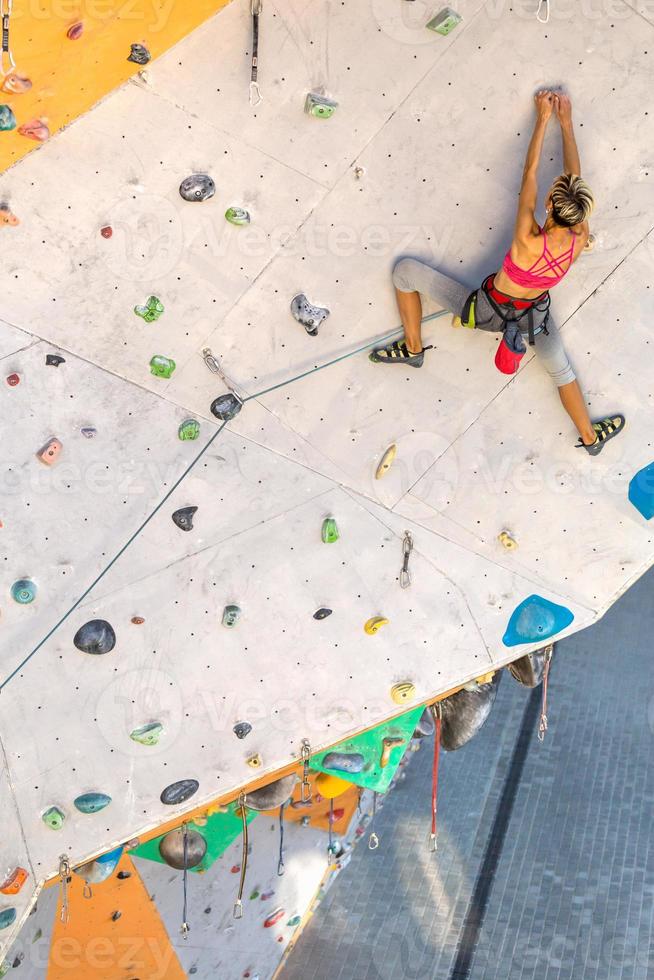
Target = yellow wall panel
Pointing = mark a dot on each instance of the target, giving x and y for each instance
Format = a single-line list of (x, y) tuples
[(68, 77)]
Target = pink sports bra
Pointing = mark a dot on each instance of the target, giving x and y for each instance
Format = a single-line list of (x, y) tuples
[(536, 278)]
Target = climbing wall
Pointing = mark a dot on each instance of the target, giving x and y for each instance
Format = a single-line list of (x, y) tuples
[(417, 158)]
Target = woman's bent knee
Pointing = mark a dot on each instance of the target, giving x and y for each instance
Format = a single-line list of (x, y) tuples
[(404, 275)]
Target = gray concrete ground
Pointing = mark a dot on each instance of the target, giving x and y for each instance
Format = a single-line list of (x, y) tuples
[(545, 867)]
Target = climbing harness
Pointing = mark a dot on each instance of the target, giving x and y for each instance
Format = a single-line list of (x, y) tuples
[(543, 4), (185, 926), (255, 91), (407, 548), (280, 863), (436, 711), (64, 874), (373, 839), (238, 905), (7, 63), (542, 727), (305, 789)]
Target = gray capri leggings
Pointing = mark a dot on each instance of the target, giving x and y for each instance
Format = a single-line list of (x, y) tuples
[(411, 275)]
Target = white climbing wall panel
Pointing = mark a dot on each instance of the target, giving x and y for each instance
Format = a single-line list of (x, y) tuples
[(423, 156)]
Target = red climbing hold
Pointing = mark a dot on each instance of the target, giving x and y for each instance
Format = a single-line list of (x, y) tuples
[(35, 129), (235, 869), (274, 917), (13, 380), (107, 231), (338, 814), (75, 31)]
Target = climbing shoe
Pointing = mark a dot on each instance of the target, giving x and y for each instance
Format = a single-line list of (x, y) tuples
[(606, 429), (398, 353)]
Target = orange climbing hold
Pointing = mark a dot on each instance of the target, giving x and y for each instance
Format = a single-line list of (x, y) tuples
[(7, 218), (14, 882), (49, 454)]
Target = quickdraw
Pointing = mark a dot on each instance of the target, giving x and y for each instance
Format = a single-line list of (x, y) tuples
[(542, 727), (373, 839), (280, 862), (64, 874), (185, 926), (407, 548), (255, 91), (437, 714), (7, 63), (305, 789), (238, 905)]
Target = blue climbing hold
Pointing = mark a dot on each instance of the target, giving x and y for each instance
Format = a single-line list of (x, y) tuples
[(95, 872), (641, 491), (92, 802), (535, 619), (23, 591), (7, 918)]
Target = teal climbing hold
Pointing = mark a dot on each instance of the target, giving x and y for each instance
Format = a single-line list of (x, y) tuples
[(641, 491), (7, 918), (189, 430), (7, 118), (162, 367), (53, 818), (151, 310), (536, 619), (147, 734), (92, 802), (23, 591)]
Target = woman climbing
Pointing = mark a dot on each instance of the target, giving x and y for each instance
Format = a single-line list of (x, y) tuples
[(516, 299)]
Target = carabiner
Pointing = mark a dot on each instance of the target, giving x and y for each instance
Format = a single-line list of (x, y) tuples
[(305, 789)]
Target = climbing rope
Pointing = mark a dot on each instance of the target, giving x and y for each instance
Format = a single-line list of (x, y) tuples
[(238, 905), (7, 63), (437, 713), (255, 91)]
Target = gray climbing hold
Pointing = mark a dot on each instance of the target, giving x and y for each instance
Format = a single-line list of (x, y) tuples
[(92, 802), (322, 613), (179, 792), (197, 187), (464, 713), (97, 636), (171, 849), (226, 407), (242, 728), (89, 432), (231, 616), (272, 796), (54, 360), (425, 724), (307, 314), (343, 761), (139, 54), (147, 734), (183, 518), (528, 670)]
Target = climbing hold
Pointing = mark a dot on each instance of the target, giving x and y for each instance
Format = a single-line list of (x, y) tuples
[(329, 531), (403, 692), (162, 367), (14, 882), (7, 218), (359, 172), (148, 734), (330, 786), (528, 670), (97, 871), (189, 430), (463, 713), (8, 917), (16, 84), (255, 761), (590, 244), (641, 491), (123, 874), (226, 407), (242, 728), (115, 916), (344, 761), (237, 216), (274, 918), (96, 637), (386, 462), (7, 118), (322, 613), (75, 31), (92, 802), (273, 795), (53, 818), (374, 625), (54, 360), (35, 129), (180, 855), (139, 54), (295, 920), (231, 616), (89, 432), (151, 310), (536, 619), (507, 541), (183, 518), (389, 743), (13, 380), (23, 591), (137, 620), (197, 187), (445, 21), (307, 314), (425, 724), (179, 792), (319, 106), (107, 231), (49, 453)]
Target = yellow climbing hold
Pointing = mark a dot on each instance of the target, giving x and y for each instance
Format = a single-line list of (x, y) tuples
[(505, 539), (485, 678), (403, 692), (254, 761), (375, 624), (386, 462), (330, 786)]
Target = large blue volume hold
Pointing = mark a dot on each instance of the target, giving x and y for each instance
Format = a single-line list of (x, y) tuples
[(641, 491), (536, 619)]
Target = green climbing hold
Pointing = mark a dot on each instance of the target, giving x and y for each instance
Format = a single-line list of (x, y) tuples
[(237, 216), (5, 967), (329, 530), (319, 106), (92, 802), (23, 591), (162, 367), (152, 310), (445, 21), (254, 895), (189, 430), (53, 818), (147, 734), (7, 118)]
